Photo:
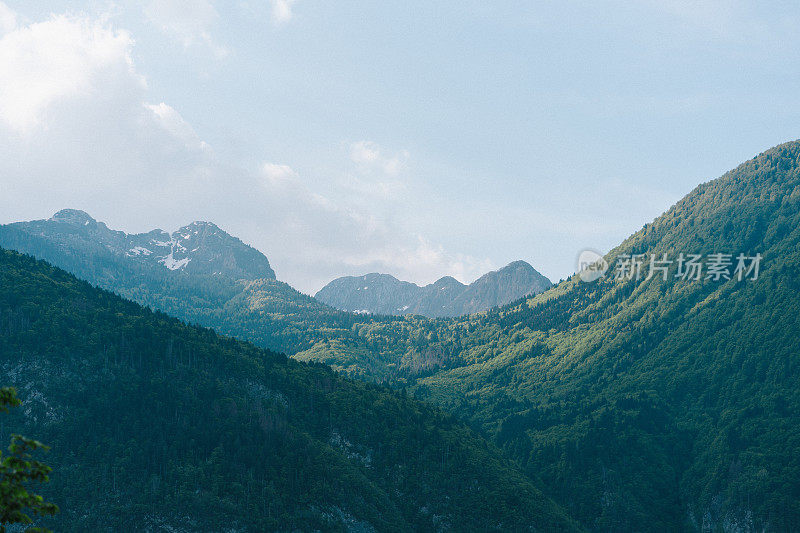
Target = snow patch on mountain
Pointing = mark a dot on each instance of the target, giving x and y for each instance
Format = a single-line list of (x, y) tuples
[(174, 264), (138, 250)]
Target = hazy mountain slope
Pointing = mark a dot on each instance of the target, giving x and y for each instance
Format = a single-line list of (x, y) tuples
[(386, 295), (159, 426)]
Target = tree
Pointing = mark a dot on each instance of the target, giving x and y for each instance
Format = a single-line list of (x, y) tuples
[(17, 469)]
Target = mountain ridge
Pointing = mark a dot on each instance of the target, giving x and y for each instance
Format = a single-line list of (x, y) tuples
[(383, 294), (197, 248)]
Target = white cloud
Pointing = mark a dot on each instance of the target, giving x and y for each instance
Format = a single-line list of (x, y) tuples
[(418, 260), (54, 60), (75, 128), (281, 10), (174, 123), (377, 174), (349, 233), (188, 21), (370, 157), (276, 174)]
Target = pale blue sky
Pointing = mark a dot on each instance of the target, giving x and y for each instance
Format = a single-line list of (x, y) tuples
[(414, 138)]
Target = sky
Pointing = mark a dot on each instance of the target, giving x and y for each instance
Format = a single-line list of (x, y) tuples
[(415, 138)]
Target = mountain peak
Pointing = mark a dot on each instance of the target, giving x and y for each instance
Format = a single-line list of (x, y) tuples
[(199, 248), (76, 217), (201, 224), (197, 227), (446, 282), (518, 264)]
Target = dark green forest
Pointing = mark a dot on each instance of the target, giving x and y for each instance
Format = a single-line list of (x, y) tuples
[(154, 425)]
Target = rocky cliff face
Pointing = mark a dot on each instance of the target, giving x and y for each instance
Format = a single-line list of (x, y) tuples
[(385, 294)]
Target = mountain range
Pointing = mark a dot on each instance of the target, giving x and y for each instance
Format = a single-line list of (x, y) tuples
[(386, 295), (635, 402)]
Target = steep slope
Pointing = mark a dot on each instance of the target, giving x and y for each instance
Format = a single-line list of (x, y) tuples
[(159, 426), (386, 295), (648, 404), (200, 248)]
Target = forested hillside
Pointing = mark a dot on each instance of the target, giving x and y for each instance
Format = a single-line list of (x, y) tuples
[(659, 404), (155, 425)]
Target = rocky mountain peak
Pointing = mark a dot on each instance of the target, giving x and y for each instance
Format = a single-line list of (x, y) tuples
[(75, 217), (447, 282)]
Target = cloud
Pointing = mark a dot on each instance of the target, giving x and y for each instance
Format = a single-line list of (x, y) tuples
[(419, 260), (76, 129), (278, 174), (370, 157), (281, 10), (173, 122), (58, 59), (348, 232), (187, 21), (377, 174)]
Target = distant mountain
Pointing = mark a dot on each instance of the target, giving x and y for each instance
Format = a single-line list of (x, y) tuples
[(159, 426), (382, 294), (199, 248)]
